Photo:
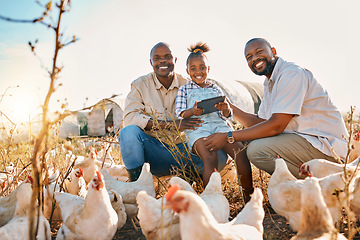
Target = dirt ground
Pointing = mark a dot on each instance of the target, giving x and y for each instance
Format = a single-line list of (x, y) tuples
[(275, 226)]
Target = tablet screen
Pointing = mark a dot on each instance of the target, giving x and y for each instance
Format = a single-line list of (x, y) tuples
[(208, 104)]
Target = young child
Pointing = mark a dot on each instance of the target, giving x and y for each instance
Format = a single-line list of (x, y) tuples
[(197, 89)]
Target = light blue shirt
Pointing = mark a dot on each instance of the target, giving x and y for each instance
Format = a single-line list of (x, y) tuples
[(293, 90)]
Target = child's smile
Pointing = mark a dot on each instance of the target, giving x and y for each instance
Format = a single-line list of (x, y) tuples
[(198, 70)]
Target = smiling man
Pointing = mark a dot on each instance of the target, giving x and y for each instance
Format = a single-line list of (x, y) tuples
[(150, 100), (296, 120)]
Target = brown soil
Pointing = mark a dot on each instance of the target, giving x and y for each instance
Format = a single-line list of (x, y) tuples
[(275, 226)]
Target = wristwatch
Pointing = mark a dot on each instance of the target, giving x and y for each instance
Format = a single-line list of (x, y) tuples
[(230, 138)]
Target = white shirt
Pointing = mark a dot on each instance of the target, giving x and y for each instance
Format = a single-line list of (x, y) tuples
[(296, 91)]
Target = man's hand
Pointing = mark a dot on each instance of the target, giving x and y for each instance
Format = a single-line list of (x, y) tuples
[(224, 108), (216, 141), (189, 123)]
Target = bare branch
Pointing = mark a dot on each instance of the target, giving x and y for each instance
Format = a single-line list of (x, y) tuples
[(1, 113), (36, 20)]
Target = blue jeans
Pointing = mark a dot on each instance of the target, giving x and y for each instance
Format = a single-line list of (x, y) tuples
[(137, 147)]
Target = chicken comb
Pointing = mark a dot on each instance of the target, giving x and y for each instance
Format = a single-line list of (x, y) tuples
[(215, 170), (357, 136), (30, 179), (300, 166), (81, 171), (171, 191), (98, 174)]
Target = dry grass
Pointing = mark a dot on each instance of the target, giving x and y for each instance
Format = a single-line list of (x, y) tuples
[(275, 226)]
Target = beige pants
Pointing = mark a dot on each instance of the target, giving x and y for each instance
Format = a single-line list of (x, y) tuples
[(293, 148)]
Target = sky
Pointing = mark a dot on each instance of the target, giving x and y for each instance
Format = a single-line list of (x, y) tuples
[(115, 38)]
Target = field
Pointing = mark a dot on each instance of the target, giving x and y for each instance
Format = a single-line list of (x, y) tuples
[(45, 152), (275, 226)]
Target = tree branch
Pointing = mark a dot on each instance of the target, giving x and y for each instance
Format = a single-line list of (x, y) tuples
[(36, 20)]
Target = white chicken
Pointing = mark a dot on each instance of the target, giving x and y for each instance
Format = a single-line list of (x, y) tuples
[(184, 185), (75, 183), (322, 167), (253, 212), (117, 171), (284, 192), (197, 222), (49, 201), (7, 207), (70, 157), (355, 201), (355, 147), (88, 166), (316, 221), (18, 227), (8, 204), (129, 190), (3, 179), (156, 222), (93, 218), (104, 155), (212, 195), (119, 207)]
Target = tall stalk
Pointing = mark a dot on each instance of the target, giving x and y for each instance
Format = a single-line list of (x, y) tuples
[(39, 151)]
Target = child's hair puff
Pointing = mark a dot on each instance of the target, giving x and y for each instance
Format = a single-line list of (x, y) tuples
[(199, 47), (197, 50)]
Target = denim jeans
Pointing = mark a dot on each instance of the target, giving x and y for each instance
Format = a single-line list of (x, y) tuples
[(137, 147)]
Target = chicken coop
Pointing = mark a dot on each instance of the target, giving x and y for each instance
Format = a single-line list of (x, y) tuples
[(105, 117), (69, 127)]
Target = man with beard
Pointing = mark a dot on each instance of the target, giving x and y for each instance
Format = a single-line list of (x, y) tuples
[(296, 120), (149, 108)]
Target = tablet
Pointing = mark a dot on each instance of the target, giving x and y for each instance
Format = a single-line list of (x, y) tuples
[(208, 104)]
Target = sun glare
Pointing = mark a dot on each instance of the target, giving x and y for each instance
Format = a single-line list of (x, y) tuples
[(22, 110)]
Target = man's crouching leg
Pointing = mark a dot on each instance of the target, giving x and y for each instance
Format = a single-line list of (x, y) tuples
[(291, 147)]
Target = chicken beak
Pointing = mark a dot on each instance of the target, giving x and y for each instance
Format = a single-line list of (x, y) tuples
[(100, 185)]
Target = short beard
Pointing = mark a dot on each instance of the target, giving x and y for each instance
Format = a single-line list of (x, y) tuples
[(269, 67)]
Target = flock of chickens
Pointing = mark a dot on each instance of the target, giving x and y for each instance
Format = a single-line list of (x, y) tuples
[(96, 200)]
